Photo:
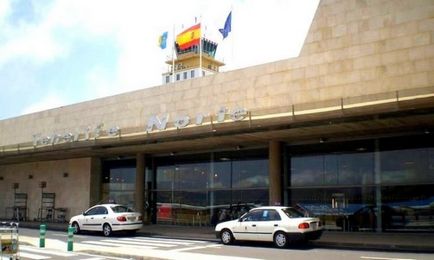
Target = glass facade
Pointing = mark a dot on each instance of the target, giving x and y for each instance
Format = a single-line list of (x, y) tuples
[(118, 182), (208, 188), (371, 185), (378, 185)]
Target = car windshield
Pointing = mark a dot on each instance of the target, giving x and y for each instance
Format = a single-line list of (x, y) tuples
[(292, 213), (121, 209)]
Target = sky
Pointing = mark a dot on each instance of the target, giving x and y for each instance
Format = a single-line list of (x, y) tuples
[(60, 52)]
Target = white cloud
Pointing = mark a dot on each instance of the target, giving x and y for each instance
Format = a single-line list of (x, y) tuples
[(49, 101)]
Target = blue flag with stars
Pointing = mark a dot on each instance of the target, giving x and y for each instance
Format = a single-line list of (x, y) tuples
[(227, 28)]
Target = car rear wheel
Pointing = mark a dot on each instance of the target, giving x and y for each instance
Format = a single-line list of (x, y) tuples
[(76, 228), (281, 239), (226, 237), (107, 230)]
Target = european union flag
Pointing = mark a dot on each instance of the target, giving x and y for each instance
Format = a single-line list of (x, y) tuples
[(227, 29), (162, 40)]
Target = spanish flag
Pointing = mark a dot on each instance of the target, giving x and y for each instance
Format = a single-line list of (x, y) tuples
[(189, 37)]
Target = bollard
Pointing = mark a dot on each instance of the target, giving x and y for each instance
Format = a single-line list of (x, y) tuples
[(70, 238), (42, 231)]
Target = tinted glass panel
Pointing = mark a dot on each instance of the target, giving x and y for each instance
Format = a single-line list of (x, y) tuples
[(408, 207), (325, 170), (407, 166), (205, 189), (250, 174), (293, 213), (119, 182), (121, 209), (333, 205)]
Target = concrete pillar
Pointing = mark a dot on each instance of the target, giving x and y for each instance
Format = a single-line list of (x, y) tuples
[(140, 183), (275, 172), (95, 181)]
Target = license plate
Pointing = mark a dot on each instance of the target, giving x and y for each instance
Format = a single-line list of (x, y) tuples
[(131, 218)]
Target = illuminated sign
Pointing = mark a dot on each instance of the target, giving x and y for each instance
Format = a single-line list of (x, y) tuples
[(154, 123)]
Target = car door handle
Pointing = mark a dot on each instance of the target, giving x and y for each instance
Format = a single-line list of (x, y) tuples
[(253, 225), (276, 225), (91, 218), (104, 217)]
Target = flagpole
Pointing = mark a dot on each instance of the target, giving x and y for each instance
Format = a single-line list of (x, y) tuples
[(232, 40), (200, 48), (173, 55)]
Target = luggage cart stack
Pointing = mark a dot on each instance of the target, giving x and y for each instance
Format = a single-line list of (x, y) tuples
[(9, 240)]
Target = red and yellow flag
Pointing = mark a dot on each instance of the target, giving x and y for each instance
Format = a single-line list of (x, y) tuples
[(189, 37)]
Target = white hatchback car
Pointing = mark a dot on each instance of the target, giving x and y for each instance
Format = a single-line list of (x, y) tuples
[(107, 218), (280, 225)]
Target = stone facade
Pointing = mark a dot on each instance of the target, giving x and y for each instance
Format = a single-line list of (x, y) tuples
[(354, 48), (29, 175)]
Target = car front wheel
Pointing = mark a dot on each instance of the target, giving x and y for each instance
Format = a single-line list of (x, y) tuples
[(107, 230), (281, 239), (226, 237)]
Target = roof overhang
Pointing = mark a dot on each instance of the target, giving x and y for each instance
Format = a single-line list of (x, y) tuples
[(336, 120)]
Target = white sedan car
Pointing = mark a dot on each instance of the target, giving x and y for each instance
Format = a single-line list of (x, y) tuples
[(107, 218), (280, 225)]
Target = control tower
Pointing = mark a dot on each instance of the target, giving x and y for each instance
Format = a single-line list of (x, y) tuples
[(195, 57)]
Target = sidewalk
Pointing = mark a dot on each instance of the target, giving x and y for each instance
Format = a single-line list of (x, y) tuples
[(414, 242)]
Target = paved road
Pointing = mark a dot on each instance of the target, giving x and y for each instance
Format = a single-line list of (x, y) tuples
[(89, 246)]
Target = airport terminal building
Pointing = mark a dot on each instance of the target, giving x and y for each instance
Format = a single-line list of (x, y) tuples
[(344, 131)]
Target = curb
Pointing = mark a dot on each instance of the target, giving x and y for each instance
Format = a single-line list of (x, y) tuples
[(373, 247), (321, 244)]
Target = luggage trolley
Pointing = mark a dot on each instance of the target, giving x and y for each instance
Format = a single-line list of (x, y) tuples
[(9, 240)]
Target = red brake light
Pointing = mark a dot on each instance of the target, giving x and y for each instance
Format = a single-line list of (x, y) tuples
[(121, 218), (303, 226)]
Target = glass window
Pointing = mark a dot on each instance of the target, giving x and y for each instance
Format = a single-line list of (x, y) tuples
[(121, 209), (339, 169), (209, 188), (307, 170), (178, 77), (254, 215), (270, 215), (167, 79), (334, 206), (97, 211), (119, 179), (355, 168), (407, 166), (408, 207), (183, 208), (92, 211), (165, 177), (192, 74), (185, 75), (192, 176), (221, 176), (293, 213), (250, 174)]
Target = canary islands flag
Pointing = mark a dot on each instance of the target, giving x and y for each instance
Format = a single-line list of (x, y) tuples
[(162, 40)]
